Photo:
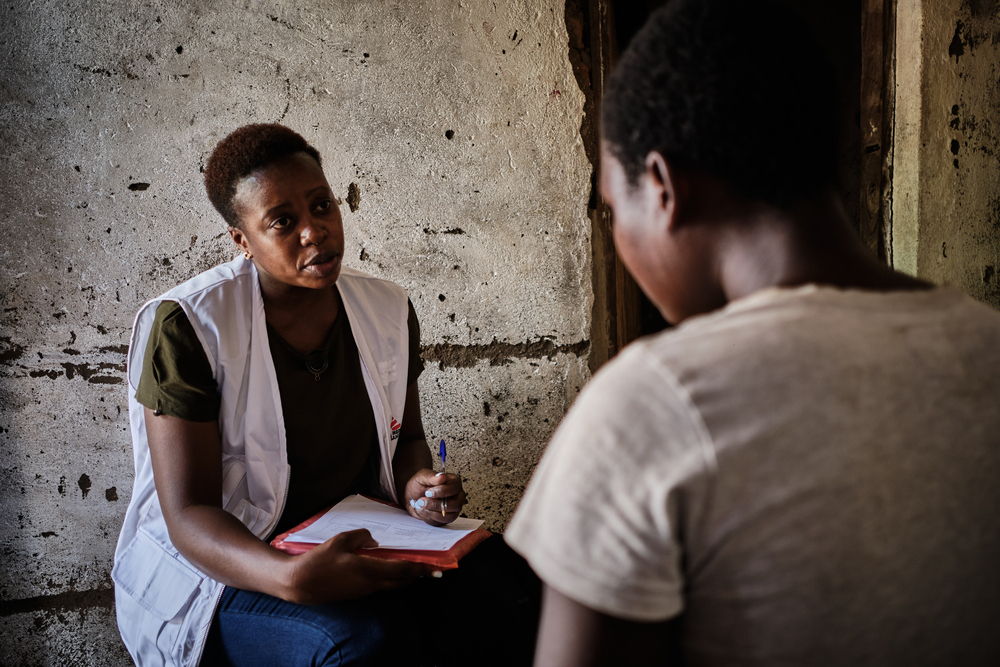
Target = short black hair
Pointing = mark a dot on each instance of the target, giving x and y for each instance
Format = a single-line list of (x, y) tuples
[(244, 151), (734, 88)]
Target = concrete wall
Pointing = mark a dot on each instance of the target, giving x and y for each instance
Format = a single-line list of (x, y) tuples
[(458, 122), (946, 184)]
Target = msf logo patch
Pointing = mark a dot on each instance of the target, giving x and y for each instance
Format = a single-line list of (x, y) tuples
[(394, 427)]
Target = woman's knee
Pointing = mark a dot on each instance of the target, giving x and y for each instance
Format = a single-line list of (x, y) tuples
[(254, 629), (350, 639)]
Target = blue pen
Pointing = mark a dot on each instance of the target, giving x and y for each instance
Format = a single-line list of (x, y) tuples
[(443, 453)]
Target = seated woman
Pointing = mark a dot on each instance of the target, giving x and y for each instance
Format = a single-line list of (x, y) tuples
[(263, 391)]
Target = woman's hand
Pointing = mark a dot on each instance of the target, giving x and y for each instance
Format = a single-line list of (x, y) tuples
[(336, 570), (436, 498)]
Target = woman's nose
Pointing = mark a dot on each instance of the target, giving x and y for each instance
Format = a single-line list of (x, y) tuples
[(314, 232)]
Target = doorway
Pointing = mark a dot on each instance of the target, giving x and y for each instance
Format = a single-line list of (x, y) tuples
[(857, 36)]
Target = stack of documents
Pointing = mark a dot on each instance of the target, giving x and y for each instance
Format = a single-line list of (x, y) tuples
[(399, 535)]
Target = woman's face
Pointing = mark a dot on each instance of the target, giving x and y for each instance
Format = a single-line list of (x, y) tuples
[(290, 223)]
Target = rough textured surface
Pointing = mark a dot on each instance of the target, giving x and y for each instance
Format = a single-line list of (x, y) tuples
[(58, 636), (492, 415), (946, 186), (449, 129)]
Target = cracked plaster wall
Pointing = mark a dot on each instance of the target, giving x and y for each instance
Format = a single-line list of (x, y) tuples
[(946, 182), (450, 129)]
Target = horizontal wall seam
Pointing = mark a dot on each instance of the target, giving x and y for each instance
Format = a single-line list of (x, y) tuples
[(448, 355), (67, 601)]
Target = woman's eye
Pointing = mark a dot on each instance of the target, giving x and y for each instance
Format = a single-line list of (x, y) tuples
[(281, 223), (324, 205)]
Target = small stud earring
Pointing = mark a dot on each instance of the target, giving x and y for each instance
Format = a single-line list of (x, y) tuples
[(248, 255)]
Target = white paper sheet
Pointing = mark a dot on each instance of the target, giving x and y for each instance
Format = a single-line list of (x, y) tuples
[(391, 527)]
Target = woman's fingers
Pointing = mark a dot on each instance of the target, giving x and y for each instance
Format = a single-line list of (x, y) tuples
[(439, 511), (436, 498), (424, 506), (338, 569), (453, 503), (352, 540), (390, 573), (428, 479), (443, 491), (442, 485)]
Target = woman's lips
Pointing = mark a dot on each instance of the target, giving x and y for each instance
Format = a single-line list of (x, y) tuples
[(324, 265)]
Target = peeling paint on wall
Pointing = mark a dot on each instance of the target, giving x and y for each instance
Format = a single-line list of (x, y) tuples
[(354, 197), (449, 131), (946, 211)]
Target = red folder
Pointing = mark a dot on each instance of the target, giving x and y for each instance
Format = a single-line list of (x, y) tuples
[(446, 560)]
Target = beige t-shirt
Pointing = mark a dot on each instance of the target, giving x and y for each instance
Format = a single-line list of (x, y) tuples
[(810, 476)]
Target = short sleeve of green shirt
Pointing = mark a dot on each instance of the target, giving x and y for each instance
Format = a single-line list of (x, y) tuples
[(177, 378)]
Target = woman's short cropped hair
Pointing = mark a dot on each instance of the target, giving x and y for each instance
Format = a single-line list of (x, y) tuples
[(737, 89), (244, 151)]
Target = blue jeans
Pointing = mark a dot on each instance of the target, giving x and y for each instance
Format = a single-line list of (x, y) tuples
[(432, 622), (257, 629)]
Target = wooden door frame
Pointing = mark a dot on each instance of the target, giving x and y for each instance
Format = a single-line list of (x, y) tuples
[(877, 118), (616, 311)]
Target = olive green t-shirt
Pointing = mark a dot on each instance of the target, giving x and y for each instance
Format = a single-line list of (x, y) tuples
[(332, 441)]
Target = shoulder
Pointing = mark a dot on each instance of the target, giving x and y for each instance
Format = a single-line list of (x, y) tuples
[(598, 520), (623, 382), (221, 298), (215, 287), (168, 311), (380, 299), (359, 280), (169, 319), (635, 411), (769, 329), (235, 274), (651, 398)]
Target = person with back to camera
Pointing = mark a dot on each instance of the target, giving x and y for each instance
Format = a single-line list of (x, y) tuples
[(804, 471), (261, 392)]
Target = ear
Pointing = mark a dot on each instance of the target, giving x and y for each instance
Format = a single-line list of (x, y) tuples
[(239, 238), (662, 178)]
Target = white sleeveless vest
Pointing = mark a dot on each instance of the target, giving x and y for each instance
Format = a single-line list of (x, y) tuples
[(164, 604)]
